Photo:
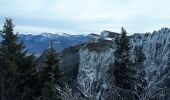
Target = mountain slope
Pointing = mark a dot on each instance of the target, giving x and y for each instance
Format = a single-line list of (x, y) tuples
[(37, 43), (94, 64)]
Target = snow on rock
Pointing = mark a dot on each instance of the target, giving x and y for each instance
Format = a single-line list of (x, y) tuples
[(92, 71), (93, 37), (156, 47), (108, 35)]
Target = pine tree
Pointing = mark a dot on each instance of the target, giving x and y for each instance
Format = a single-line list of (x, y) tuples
[(17, 69), (139, 55), (50, 73), (124, 70), (139, 64), (51, 64)]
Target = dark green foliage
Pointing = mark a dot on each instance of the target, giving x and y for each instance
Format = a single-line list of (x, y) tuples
[(17, 69), (50, 74), (51, 65), (139, 55), (122, 47), (124, 71), (124, 76), (139, 60)]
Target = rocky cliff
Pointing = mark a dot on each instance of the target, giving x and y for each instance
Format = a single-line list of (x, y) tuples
[(95, 59)]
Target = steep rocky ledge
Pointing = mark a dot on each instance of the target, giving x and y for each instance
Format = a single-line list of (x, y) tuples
[(95, 59)]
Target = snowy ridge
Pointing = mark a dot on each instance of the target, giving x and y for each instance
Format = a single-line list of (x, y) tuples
[(50, 35), (156, 46), (92, 76), (37, 43)]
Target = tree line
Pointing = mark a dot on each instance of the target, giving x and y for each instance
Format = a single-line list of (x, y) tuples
[(19, 77), (125, 73)]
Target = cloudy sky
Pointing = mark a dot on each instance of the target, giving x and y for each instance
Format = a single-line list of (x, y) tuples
[(86, 16)]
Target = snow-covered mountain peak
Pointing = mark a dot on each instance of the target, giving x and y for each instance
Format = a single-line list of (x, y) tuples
[(38, 42), (27, 33)]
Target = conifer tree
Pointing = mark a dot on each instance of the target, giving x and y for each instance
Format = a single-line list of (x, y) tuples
[(139, 55), (139, 64), (50, 73), (16, 68), (123, 67)]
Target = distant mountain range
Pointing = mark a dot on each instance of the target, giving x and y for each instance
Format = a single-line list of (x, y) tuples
[(37, 43)]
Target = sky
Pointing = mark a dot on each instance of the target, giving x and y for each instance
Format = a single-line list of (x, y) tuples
[(86, 16)]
